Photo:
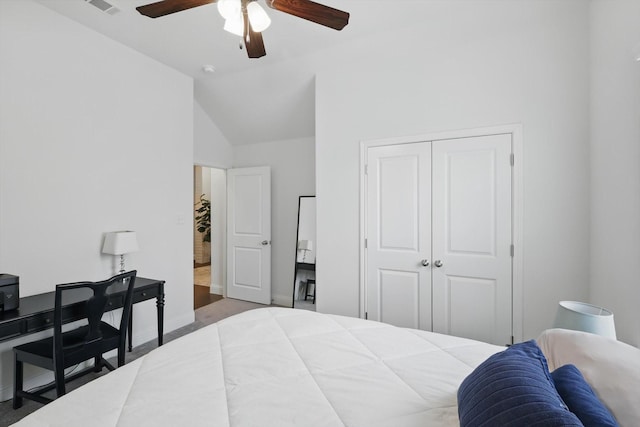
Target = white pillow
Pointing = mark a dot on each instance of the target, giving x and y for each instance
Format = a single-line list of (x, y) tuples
[(612, 368)]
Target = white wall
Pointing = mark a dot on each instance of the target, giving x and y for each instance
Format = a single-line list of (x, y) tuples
[(218, 229), (615, 162), (94, 137), (468, 65), (210, 147), (292, 174)]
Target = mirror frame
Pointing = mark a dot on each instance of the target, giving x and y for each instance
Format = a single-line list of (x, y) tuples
[(295, 259)]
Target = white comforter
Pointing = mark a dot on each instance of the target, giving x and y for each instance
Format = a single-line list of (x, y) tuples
[(280, 367)]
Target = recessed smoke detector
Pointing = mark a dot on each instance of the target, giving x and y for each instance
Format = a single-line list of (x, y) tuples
[(209, 69), (104, 6)]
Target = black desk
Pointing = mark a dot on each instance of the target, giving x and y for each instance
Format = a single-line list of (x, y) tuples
[(36, 312), (302, 266), (305, 266)]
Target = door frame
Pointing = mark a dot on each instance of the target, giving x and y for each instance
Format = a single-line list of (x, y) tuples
[(223, 230), (517, 208)]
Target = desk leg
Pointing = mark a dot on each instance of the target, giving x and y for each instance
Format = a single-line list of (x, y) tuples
[(130, 331), (160, 309)]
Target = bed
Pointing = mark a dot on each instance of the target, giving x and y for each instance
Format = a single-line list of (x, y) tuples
[(280, 367), (284, 367)]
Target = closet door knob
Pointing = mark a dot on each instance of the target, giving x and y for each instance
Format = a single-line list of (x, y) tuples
[(425, 263), (437, 263)]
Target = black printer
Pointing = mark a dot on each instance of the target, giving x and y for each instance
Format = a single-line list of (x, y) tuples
[(9, 292)]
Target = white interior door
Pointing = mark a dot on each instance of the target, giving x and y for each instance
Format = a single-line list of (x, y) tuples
[(472, 237), (398, 229), (249, 234)]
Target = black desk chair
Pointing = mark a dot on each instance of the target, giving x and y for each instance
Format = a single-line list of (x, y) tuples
[(66, 349)]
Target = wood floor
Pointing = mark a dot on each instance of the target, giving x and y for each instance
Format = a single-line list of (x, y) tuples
[(202, 297), (201, 291)]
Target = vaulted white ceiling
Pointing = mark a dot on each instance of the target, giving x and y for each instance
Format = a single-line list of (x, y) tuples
[(250, 100)]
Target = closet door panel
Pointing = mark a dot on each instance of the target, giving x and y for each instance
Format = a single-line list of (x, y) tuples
[(472, 238), (398, 229)]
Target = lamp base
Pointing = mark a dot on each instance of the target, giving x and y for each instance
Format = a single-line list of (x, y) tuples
[(121, 264)]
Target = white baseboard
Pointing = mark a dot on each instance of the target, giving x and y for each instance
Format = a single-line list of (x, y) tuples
[(216, 289), (283, 300), (178, 322), (141, 336)]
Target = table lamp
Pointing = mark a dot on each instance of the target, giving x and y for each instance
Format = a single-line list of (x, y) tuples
[(120, 243), (580, 316), (305, 246)]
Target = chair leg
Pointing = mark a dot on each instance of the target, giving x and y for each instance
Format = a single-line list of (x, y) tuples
[(17, 382), (108, 365), (59, 378), (97, 364)]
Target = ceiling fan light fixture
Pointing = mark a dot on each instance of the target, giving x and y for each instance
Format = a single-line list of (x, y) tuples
[(229, 8), (235, 25), (258, 17)]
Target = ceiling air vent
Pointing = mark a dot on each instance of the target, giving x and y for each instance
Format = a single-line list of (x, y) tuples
[(104, 6)]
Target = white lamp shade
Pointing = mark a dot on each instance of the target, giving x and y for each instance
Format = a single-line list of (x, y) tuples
[(258, 18), (120, 242), (229, 8), (580, 316), (235, 25), (231, 11), (305, 245)]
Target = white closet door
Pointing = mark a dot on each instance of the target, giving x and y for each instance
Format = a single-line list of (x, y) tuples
[(472, 237), (399, 234)]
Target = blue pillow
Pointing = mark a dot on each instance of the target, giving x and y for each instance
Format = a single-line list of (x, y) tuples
[(580, 398), (513, 388)]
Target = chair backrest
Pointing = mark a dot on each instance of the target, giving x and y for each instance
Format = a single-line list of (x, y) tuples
[(95, 296)]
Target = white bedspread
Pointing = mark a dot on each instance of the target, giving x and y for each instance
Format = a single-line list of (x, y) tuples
[(280, 367)]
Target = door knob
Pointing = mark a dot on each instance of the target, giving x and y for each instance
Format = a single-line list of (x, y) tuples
[(264, 242), (437, 263), (425, 263)]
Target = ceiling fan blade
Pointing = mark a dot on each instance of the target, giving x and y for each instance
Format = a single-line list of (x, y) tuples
[(255, 45), (166, 7), (311, 11), (252, 39)]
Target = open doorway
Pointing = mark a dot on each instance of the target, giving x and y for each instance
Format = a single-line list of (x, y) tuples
[(209, 200)]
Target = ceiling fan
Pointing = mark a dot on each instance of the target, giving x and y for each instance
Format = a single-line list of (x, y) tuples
[(247, 19)]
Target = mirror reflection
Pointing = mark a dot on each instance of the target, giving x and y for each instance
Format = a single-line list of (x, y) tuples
[(304, 278)]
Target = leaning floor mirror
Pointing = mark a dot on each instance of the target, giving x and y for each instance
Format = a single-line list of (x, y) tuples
[(304, 277)]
